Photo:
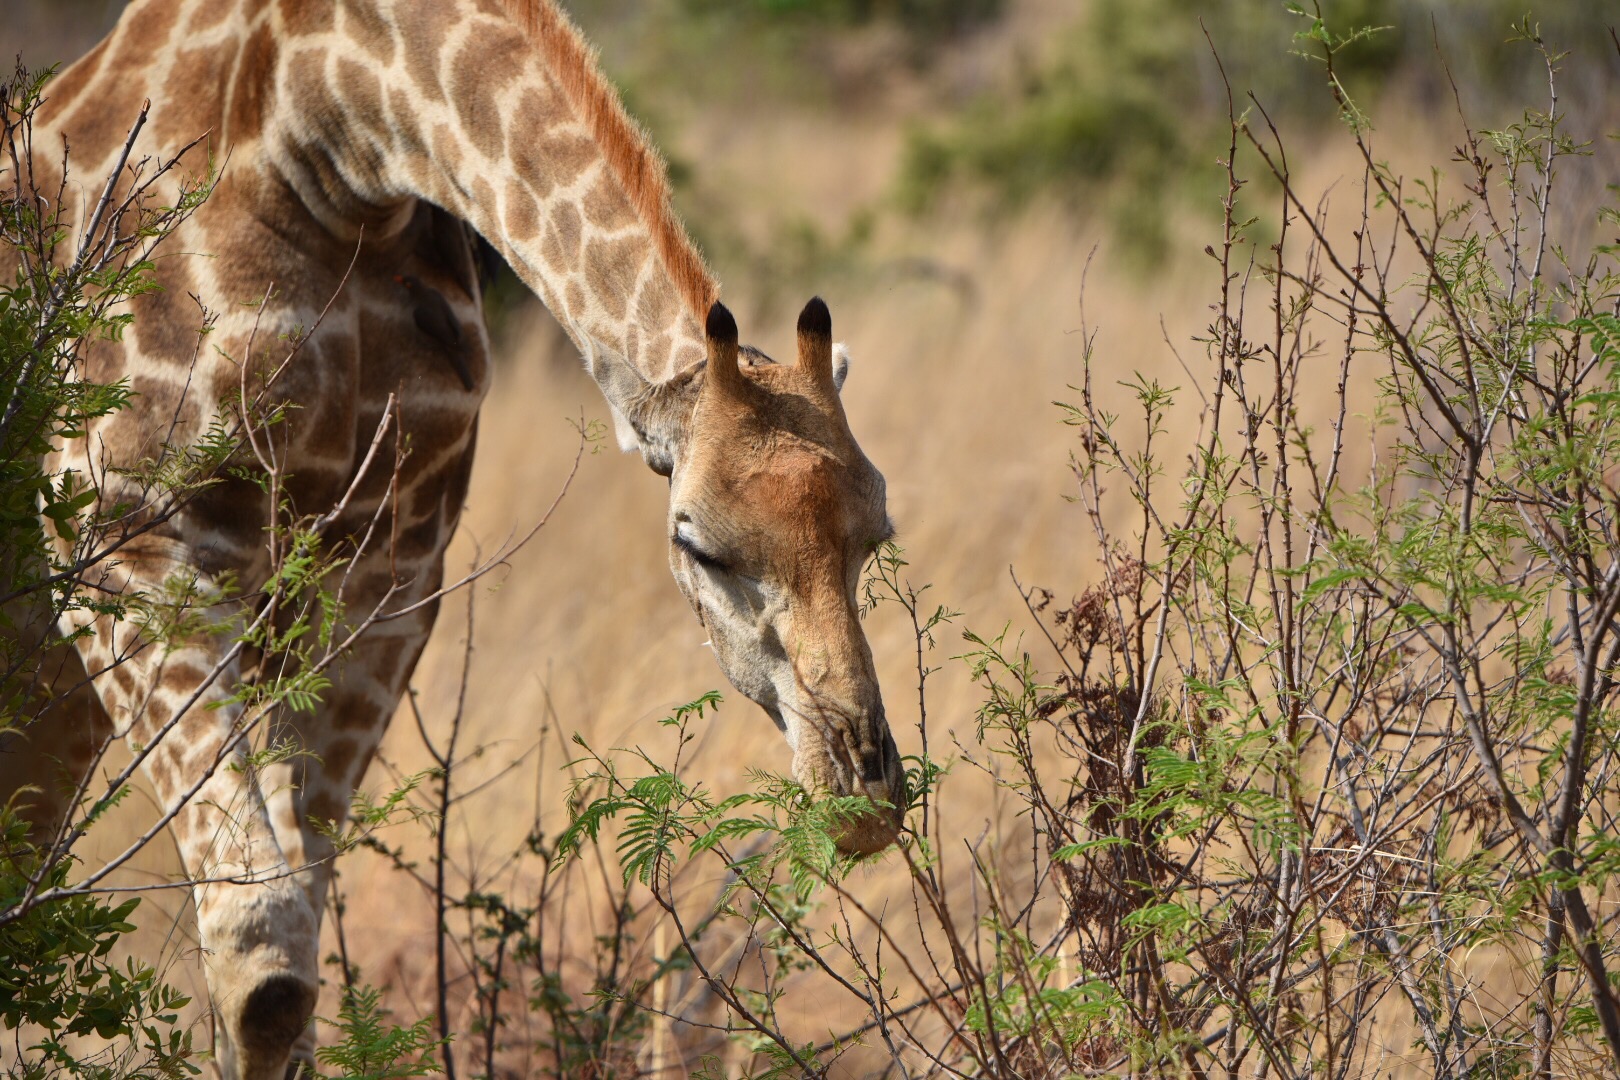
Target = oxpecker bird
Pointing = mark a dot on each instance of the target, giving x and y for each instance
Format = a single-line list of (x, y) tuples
[(435, 319)]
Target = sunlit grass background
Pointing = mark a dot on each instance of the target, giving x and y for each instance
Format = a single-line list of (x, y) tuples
[(968, 183)]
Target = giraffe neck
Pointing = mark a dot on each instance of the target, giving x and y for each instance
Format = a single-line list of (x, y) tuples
[(494, 110)]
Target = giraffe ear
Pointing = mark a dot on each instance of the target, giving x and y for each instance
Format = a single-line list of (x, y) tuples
[(840, 364), (650, 417)]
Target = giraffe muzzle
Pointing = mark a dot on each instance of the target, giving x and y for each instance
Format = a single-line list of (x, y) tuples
[(845, 754)]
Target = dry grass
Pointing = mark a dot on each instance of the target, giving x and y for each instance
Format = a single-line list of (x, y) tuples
[(950, 396)]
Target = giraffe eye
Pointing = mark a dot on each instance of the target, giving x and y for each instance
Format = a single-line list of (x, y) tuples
[(699, 556)]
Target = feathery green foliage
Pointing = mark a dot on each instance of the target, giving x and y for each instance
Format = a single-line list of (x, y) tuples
[(57, 979), (371, 1047)]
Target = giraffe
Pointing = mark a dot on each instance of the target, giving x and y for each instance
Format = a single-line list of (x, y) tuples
[(360, 140)]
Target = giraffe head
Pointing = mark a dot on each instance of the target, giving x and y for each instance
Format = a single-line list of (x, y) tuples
[(773, 513)]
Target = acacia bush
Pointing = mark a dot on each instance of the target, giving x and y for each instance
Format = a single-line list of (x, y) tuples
[(1310, 779), (1316, 773)]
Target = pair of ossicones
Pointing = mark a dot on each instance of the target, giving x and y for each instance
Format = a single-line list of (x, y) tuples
[(815, 339)]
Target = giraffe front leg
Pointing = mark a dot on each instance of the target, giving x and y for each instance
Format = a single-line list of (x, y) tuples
[(308, 795), (258, 932), (44, 758)]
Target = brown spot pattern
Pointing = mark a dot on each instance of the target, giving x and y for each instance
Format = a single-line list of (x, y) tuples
[(613, 267), (302, 16), (487, 63), (167, 321), (483, 195), (522, 213), (364, 24), (424, 29), (407, 133), (447, 150), (65, 90), (196, 80), (255, 72), (87, 118), (607, 208), (362, 96), (655, 306), (325, 806), (205, 16), (562, 243), (574, 296), (141, 39), (183, 677), (157, 712), (339, 757), (540, 108)]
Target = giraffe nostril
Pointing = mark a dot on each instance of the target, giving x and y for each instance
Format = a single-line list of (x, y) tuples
[(882, 764), (874, 766)]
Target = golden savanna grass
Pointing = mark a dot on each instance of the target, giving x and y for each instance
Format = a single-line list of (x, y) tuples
[(951, 395)]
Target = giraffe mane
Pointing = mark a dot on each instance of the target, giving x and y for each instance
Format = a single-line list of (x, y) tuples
[(630, 155)]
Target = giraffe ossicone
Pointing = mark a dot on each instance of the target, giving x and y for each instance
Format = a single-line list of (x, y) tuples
[(359, 140)]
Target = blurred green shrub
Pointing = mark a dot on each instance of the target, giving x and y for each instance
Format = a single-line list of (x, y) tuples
[(1105, 108), (58, 980), (925, 19), (1125, 114)]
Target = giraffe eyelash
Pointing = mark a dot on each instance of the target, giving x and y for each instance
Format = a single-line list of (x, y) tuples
[(699, 556)]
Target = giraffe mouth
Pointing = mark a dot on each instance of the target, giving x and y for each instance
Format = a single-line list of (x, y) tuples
[(843, 755)]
